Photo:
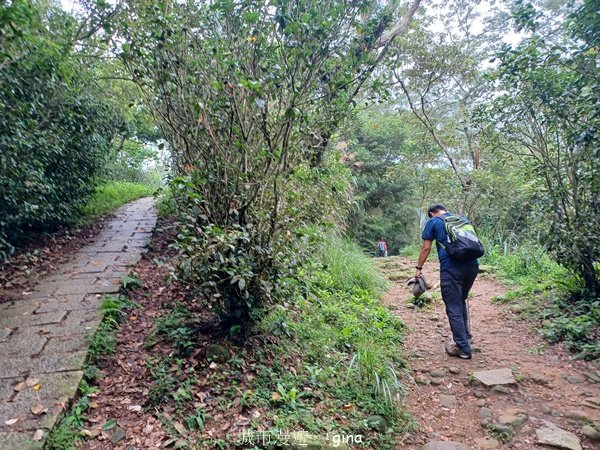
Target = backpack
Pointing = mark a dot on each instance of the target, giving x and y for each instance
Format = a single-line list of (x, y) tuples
[(462, 244)]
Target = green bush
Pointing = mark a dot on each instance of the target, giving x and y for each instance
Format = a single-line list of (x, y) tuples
[(524, 262), (57, 126)]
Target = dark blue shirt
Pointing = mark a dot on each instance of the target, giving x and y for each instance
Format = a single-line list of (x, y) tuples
[(436, 231)]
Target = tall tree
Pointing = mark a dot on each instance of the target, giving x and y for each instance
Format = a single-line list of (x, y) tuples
[(549, 116), (438, 76), (248, 94)]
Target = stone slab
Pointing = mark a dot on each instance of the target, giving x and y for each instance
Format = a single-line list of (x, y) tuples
[(4, 333), (68, 344), (65, 328), (32, 345), (27, 421), (556, 437), (70, 302), (495, 377), (18, 307), (7, 388), (21, 441), (45, 363), (33, 319), (54, 386)]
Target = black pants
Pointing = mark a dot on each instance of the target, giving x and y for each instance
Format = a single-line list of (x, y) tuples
[(456, 283)]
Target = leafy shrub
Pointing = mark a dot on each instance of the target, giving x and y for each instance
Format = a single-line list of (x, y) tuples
[(56, 129), (236, 266), (523, 262)]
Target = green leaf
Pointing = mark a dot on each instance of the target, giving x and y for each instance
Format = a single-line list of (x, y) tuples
[(109, 424)]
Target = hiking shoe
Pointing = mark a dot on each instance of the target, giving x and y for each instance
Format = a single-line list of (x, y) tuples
[(454, 350)]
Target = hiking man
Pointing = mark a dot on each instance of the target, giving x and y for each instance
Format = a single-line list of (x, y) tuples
[(382, 248), (457, 274)]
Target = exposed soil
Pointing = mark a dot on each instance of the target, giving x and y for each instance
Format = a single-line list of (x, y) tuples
[(550, 385)]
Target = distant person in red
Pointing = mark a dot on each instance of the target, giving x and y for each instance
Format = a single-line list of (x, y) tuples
[(382, 248)]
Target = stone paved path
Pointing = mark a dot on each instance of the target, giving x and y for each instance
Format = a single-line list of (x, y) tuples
[(44, 335)]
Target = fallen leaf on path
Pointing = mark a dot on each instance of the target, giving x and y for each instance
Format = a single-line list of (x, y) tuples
[(109, 424), (31, 382), (135, 408), (37, 387), (20, 386), (179, 427), (11, 421), (275, 396), (38, 409), (38, 435)]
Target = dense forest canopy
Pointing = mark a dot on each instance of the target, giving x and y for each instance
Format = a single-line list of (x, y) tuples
[(285, 118)]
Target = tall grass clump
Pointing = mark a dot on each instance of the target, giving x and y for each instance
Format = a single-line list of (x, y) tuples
[(349, 266), (524, 263), (346, 344)]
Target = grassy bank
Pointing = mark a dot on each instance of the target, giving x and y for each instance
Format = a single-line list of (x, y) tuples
[(109, 196)]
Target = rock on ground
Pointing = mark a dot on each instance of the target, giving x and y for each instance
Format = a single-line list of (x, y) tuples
[(495, 377), (445, 445), (556, 437)]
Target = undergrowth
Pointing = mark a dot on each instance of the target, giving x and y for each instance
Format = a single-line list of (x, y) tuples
[(323, 361), (549, 295)]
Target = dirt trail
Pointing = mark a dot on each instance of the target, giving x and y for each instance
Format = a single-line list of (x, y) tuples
[(550, 386)]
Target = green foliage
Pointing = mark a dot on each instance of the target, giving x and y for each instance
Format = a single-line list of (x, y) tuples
[(349, 342), (521, 262), (196, 420), (130, 282), (349, 267), (57, 127), (176, 328), (548, 115), (236, 267), (104, 343), (575, 322), (135, 162), (66, 436), (384, 196), (109, 196), (249, 106)]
